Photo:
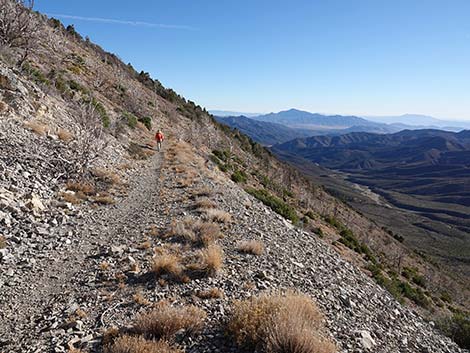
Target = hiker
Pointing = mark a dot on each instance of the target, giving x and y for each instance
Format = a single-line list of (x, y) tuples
[(159, 137)]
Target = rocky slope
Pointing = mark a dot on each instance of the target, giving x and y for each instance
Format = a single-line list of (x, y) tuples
[(42, 290), (79, 244)]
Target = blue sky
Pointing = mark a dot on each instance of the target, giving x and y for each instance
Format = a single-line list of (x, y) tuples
[(364, 57)]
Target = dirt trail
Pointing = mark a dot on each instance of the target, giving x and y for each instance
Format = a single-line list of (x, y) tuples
[(40, 297)]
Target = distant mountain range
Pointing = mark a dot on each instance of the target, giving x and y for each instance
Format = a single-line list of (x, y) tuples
[(266, 133), (273, 128), (303, 119), (295, 116), (420, 120), (224, 113), (405, 149), (269, 133)]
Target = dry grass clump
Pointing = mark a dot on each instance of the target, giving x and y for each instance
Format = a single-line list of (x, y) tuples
[(209, 261), (139, 153), (75, 350), (289, 323), (104, 266), (165, 321), (3, 242), (134, 267), (207, 233), (167, 264), (64, 135), (107, 176), (71, 198), (136, 344), (103, 200), (182, 230), (253, 247), (79, 186), (180, 153), (186, 182), (213, 293), (140, 299), (204, 204), (37, 128), (153, 231), (203, 192), (145, 245), (217, 215), (196, 232), (109, 335), (3, 106), (82, 314)]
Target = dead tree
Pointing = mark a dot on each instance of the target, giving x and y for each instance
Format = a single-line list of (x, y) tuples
[(17, 26), (89, 141)]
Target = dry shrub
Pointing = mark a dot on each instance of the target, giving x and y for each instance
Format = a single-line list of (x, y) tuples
[(186, 182), (135, 268), (279, 323), (103, 200), (70, 198), (140, 299), (254, 247), (104, 266), (204, 192), (217, 215), (181, 153), (209, 261), (3, 242), (167, 264), (145, 245), (124, 166), (80, 186), (165, 321), (64, 135), (196, 232), (213, 293), (182, 230), (75, 350), (82, 314), (204, 203), (153, 231), (136, 344), (207, 233), (147, 153), (107, 176), (37, 128), (179, 169), (137, 152), (110, 335)]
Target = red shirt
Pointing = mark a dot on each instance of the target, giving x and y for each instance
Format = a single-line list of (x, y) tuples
[(159, 137)]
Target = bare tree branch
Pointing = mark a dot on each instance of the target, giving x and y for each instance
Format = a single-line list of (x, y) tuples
[(17, 25), (90, 140)]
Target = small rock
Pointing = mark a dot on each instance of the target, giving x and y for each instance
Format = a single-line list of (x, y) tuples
[(366, 340)]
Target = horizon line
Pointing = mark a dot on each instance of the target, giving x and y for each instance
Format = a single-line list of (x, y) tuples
[(365, 116)]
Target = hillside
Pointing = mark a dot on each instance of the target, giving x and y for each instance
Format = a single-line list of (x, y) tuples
[(211, 245), (264, 132), (423, 171), (268, 133)]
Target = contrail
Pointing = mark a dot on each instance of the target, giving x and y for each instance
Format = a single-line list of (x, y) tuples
[(122, 22)]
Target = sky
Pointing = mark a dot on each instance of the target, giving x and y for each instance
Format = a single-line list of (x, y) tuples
[(362, 57)]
